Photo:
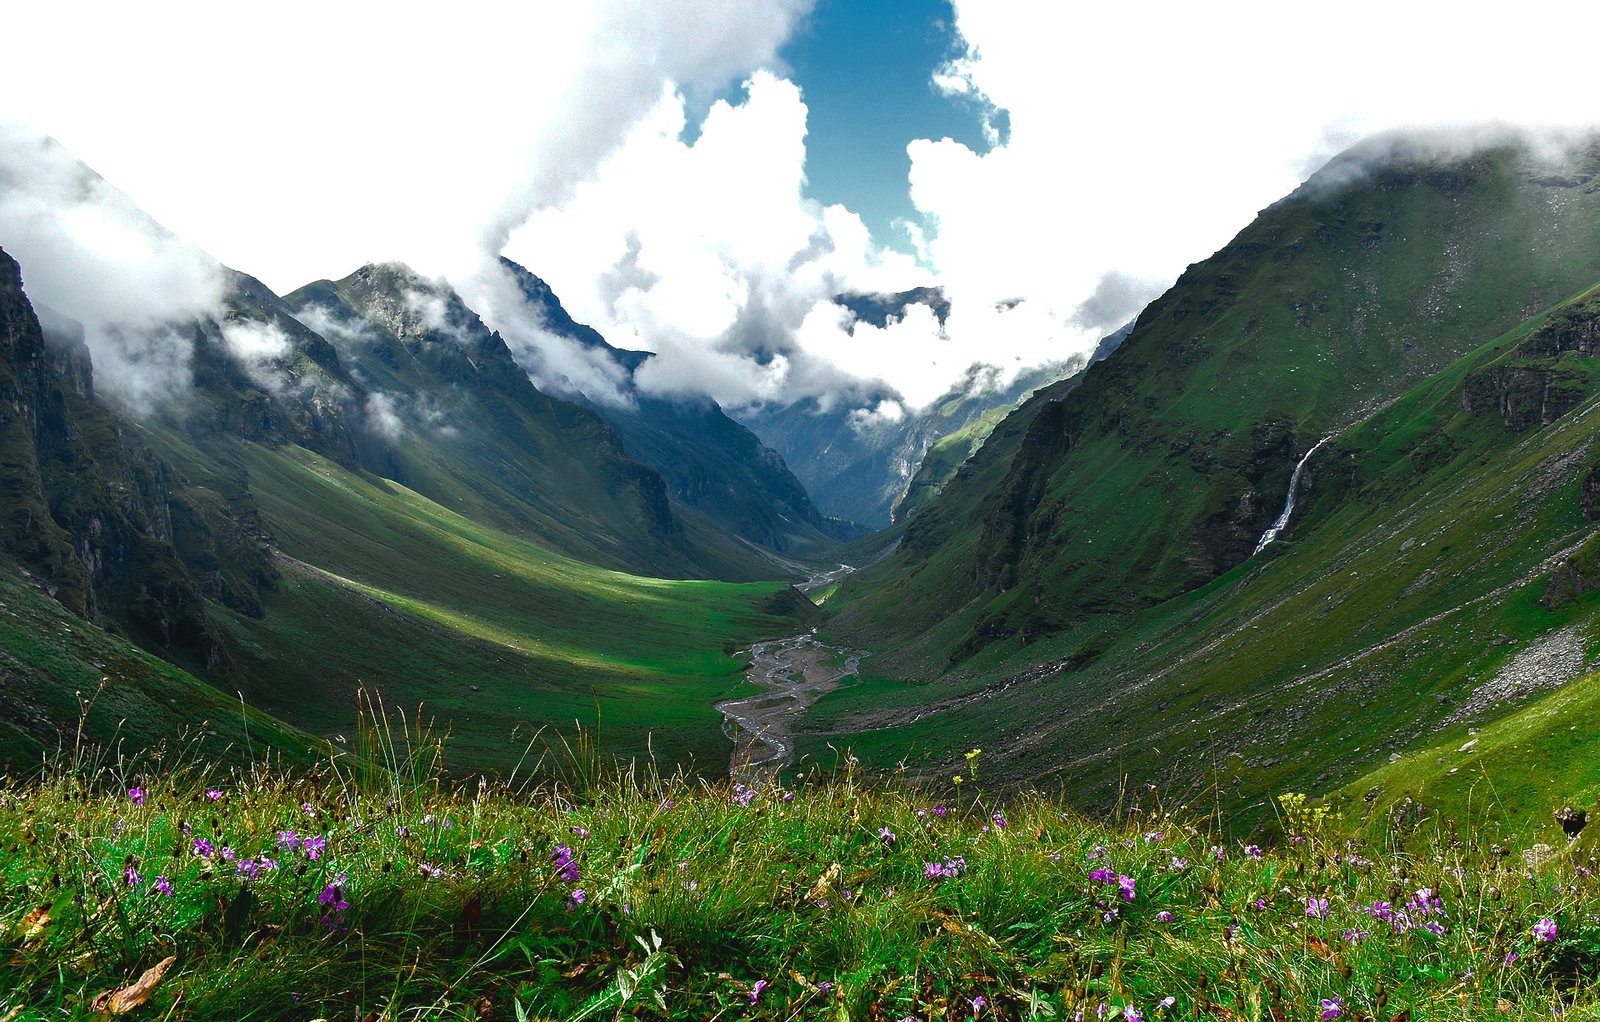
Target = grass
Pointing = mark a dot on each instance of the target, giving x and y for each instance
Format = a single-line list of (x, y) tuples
[(1411, 575), (495, 634), (622, 893)]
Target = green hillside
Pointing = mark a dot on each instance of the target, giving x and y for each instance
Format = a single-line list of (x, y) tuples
[(1160, 471), (1414, 573), (498, 636)]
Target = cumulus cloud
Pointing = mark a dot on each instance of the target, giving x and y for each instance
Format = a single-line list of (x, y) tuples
[(1139, 138), (92, 255)]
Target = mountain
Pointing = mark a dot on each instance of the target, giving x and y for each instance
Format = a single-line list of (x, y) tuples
[(710, 462), (1095, 557), (860, 466)]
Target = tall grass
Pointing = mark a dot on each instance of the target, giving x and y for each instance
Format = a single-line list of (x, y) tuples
[(374, 889)]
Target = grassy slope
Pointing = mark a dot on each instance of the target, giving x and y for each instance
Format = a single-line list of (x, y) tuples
[(1158, 471), (52, 664), (678, 901), (1505, 780), (1413, 575), (495, 634)]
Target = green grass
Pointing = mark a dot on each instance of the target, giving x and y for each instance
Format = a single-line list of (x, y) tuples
[(1411, 575), (63, 682), (495, 635), (647, 897)]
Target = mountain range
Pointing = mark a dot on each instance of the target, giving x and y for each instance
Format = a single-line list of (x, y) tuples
[(1320, 515)]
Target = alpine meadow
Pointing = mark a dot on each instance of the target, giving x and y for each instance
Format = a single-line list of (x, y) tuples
[(805, 509)]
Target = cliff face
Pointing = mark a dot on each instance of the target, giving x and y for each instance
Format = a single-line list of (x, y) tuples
[(108, 528)]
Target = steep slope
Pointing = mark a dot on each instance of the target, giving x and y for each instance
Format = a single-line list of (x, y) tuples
[(1163, 468), (463, 424), (116, 535), (709, 462), (1440, 569)]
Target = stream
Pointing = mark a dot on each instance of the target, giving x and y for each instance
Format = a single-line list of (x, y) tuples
[(792, 674)]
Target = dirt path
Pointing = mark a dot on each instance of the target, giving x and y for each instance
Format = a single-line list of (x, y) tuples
[(792, 673)]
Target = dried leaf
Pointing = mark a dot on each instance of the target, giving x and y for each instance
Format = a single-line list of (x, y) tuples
[(34, 923), (136, 993), (825, 884)]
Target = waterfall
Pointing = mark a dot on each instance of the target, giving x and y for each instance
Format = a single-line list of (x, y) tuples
[(1288, 503)]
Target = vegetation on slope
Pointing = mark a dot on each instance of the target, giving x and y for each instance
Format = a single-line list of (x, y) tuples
[(1437, 557), (496, 635), (373, 892)]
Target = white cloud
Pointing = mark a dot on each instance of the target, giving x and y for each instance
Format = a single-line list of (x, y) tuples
[(302, 144), (92, 255), (1144, 136)]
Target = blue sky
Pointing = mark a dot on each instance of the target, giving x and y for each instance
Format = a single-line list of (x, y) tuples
[(866, 68)]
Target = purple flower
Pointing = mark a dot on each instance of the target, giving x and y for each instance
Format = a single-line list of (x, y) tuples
[(288, 840), (1163, 916), (308, 809), (1131, 1014), (1253, 851), (978, 1004), (430, 871), (1544, 930), (131, 877), (940, 811), (581, 831), (314, 846), (332, 896), (1332, 1007), (1218, 853), (1125, 886), (665, 805), (136, 796), (1177, 865), (161, 885), (788, 796), (999, 821), (886, 835), (228, 854), (1355, 936), (250, 869), (213, 794), (743, 796), (1103, 875), (576, 898), (203, 848), (755, 991), (1316, 908)]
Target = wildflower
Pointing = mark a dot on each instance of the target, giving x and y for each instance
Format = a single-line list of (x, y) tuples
[(743, 796), (136, 796), (1332, 1007), (1167, 1002), (1511, 958), (228, 854), (565, 867), (581, 832), (308, 809), (430, 871), (1218, 853), (333, 900), (212, 794), (978, 1004), (665, 805), (1355, 936), (1316, 908), (131, 877), (314, 846), (576, 898), (755, 990), (1103, 875), (1131, 1014), (941, 811), (203, 848), (1177, 865), (250, 869), (161, 885), (1154, 837), (1163, 916), (1125, 885), (788, 796), (1544, 930), (1253, 851), (288, 840), (886, 835)]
